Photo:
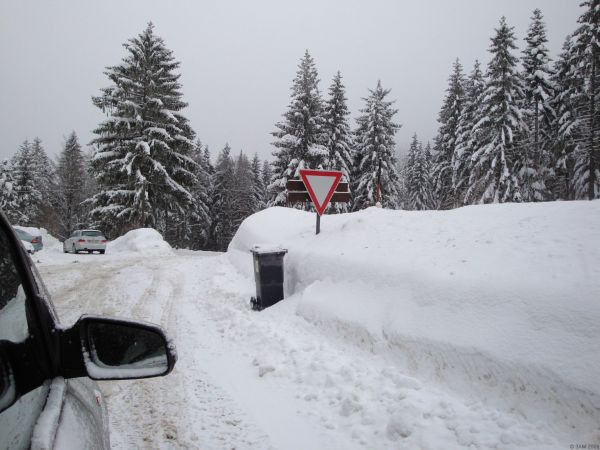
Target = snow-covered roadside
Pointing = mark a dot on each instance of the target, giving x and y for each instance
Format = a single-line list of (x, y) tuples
[(497, 302), (327, 368)]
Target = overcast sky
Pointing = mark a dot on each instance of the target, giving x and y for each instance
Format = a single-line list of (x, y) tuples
[(238, 59)]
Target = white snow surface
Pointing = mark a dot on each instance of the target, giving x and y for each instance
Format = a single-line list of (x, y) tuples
[(498, 301), (473, 328)]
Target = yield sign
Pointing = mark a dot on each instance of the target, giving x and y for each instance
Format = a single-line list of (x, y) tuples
[(320, 185)]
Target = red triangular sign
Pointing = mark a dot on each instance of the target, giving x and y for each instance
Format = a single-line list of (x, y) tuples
[(320, 185)]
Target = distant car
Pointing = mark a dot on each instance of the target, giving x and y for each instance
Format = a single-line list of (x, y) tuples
[(85, 241), (36, 241)]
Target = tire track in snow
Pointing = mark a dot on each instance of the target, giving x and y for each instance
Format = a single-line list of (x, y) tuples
[(187, 409)]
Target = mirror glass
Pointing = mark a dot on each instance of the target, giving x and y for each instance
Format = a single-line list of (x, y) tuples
[(119, 350)]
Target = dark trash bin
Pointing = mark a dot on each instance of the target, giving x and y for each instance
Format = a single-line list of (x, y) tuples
[(268, 274)]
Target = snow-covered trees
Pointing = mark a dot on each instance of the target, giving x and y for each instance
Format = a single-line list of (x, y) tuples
[(142, 164), (375, 176), (539, 115), (29, 196), (71, 176), (223, 224), (445, 142), (417, 177), (494, 174), (267, 176), (585, 71), (258, 185), (337, 130), (337, 134), (300, 137), (466, 137), (33, 175), (564, 130), (245, 202), (8, 194), (195, 225)]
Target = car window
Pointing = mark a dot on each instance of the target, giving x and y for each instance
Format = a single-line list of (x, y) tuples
[(18, 421), (23, 235), (91, 233)]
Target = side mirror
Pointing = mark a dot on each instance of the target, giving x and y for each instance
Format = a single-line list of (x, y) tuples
[(105, 348)]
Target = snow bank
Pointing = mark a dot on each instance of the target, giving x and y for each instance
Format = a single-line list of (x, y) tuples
[(142, 240), (499, 302)]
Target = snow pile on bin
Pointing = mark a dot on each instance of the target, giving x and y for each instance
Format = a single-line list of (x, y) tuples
[(497, 301), (142, 240)]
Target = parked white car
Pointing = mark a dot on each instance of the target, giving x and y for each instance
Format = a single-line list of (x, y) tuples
[(85, 241)]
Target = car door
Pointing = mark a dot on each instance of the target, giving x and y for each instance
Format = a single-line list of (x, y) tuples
[(59, 414), (17, 323), (80, 419), (44, 401)]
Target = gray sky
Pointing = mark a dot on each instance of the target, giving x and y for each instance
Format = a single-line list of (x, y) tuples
[(238, 58)]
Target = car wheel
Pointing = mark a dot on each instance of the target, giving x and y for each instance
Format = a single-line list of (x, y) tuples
[(74, 250), (101, 252), (65, 249)]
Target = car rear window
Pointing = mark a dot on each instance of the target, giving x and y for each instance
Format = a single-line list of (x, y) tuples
[(22, 235), (91, 233)]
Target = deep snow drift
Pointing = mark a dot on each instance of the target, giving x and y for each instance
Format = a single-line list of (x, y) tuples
[(498, 302)]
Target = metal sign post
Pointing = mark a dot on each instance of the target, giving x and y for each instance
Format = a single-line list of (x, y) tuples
[(321, 187)]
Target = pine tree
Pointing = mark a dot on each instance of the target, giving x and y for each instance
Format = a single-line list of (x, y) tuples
[(267, 178), (564, 129), (494, 175), (586, 72), (418, 185), (223, 207), (8, 194), (375, 177), (300, 136), (29, 195), (209, 243), (244, 193), (467, 140), (258, 186), (142, 165), (71, 177), (45, 178), (539, 114), (90, 186), (196, 228), (402, 169), (337, 130), (338, 134), (445, 142)]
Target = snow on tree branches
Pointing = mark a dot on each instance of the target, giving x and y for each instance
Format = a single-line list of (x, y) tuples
[(142, 162), (300, 138), (375, 177)]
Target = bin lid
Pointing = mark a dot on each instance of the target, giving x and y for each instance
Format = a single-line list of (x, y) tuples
[(261, 249)]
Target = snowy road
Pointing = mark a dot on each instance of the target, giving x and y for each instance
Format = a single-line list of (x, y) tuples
[(263, 380)]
